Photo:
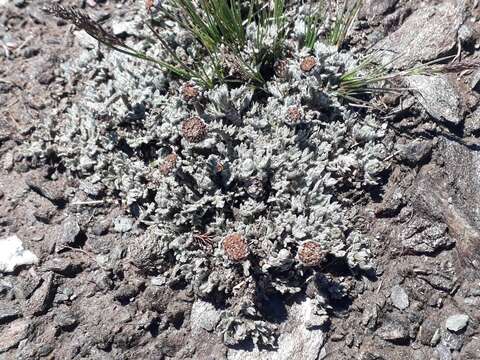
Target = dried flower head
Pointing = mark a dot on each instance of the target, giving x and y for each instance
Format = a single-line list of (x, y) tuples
[(194, 129), (168, 164), (255, 187), (149, 5), (280, 68), (308, 63), (235, 247), (189, 92), (311, 253), (294, 114)]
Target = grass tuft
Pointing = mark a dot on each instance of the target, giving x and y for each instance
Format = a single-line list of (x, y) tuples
[(344, 20)]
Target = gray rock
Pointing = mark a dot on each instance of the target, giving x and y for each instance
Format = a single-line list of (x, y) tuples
[(101, 228), (373, 8), (471, 351), (27, 285), (443, 352), (427, 331), (433, 238), (53, 191), (475, 81), (13, 333), (8, 313), (122, 224), (393, 331), (451, 340), (203, 316), (399, 297), (415, 152), (8, 161), (66, 320), (42, 298), (457, 322), (425, 35), (472, 122), (296, 342), (71, 230), (438, 96)]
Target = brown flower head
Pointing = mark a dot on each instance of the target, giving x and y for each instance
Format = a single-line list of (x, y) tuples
[(294, 114), (308, 63), (235, 247), (280, 68), (255, 188), (168, 165), (311, 253), (194, 129), (189, 92)]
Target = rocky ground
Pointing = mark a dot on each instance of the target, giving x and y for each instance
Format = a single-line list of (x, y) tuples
[(84, 298)]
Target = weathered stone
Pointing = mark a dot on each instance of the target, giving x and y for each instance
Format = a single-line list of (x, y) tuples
[(425, 35), (393, 331), (427, 331), (8, 313), (203, 316), (471, 351), (399, 297), (12, 334), (373, 8), (438, 96), (71, 230), (295, 342), (42, 298), (457, 322), (122, 224), (443, 352), (415, 152), (66, 320), (53, 191), (433, 238)]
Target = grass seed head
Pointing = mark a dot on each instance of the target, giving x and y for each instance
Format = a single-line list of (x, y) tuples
[(194, 129), (235, 247), (311, 253)]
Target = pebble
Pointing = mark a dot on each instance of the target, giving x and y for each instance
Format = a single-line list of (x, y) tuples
[(122, 224), (71, 230), (457, 322), (399, 298)]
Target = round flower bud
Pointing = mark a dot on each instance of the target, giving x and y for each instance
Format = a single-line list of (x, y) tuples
[(308, 63), (168, 165), (255, 188), (311, 253), (235, 247), (294, 114), (194, 129), (189, 92)]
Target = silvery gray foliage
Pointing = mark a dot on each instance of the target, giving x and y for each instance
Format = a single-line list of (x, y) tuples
[(274, 178)]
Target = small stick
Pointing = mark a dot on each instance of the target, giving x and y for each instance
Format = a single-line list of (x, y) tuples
[(93, 202)]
